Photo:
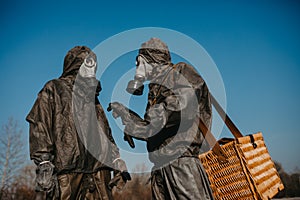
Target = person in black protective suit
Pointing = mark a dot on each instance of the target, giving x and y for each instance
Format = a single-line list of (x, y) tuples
[(70, 138), (178, 97)]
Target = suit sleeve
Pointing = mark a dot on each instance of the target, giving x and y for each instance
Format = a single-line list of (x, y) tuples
[(178, 108), (154, 120), (205, 107), (40, 126)]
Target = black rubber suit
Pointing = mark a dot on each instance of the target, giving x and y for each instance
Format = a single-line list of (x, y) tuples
[(57, 141), (177, 97)]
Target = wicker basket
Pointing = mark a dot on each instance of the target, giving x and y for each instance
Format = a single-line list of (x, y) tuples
[(248, 173), (228, 180), (260, 166)]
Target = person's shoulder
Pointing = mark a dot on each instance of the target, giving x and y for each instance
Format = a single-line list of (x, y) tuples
[(52, 83), (186, 68), (182, 66), (51, 86), (189, 72)]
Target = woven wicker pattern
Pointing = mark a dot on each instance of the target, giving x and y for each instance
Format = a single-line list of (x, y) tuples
[(260, 165), (228, 180), (249, 174)]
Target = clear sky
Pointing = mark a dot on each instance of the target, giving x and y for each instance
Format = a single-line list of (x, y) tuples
[(255, 45)]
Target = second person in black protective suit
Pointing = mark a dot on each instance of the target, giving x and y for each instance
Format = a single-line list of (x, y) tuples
[(177, 98)]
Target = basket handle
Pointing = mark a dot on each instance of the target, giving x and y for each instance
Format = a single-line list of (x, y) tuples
[(210, 138), (231, 126)]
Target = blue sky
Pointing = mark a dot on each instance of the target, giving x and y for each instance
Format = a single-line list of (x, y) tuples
[(255, 45)]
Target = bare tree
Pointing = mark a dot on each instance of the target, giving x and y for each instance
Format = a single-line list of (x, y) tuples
[(12, 154), (23, 186)]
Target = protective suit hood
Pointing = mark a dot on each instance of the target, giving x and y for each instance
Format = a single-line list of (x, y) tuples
[(74, 59), (153, 58), (155, 51)]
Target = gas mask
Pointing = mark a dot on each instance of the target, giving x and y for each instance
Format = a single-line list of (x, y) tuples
[(89, 66), (142, 73)]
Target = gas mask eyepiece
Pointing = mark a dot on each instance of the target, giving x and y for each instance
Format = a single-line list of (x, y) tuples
[(89, 67)]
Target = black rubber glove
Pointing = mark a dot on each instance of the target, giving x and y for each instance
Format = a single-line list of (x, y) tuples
[(46, 179), (121, 175), (119, 110), (44, 176)]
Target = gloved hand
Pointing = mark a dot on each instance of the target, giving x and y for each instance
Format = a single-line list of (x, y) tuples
[(121, 175), (119, 110), (44, 176), (46, 179)]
